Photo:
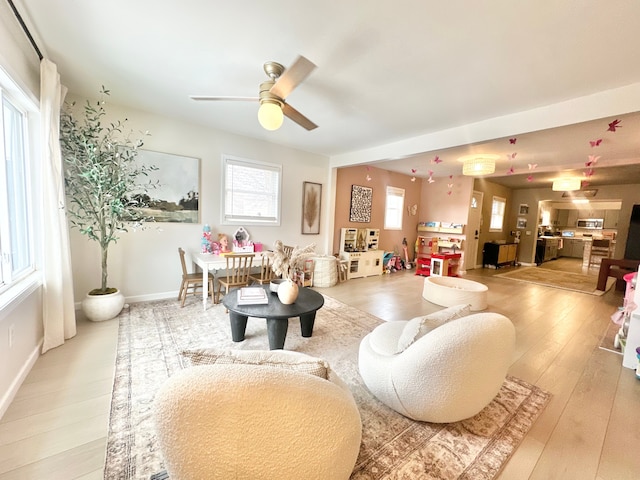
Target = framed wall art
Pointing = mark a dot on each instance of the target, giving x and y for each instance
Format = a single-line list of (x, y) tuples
[(311, 201), (361, 200), (524, 209), (521, 223), (176, 200)]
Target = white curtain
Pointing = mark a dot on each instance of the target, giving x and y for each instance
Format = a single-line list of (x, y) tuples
[(57, 301)]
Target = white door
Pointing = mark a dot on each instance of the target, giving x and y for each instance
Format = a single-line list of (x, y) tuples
[(473, 230)]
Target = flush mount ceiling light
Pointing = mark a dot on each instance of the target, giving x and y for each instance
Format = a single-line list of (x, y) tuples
[(479, 164), (568, 184)]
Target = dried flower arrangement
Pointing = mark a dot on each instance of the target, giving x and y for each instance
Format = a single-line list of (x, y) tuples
[(286, 265)]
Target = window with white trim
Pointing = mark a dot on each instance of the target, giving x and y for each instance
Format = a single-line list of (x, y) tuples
[(251, 192), (498, 206), (15, 216), (393, 208)]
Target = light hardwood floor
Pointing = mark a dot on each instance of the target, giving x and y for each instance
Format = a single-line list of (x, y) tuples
[(56, 427)]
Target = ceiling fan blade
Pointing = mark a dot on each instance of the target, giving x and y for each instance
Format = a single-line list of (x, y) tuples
[(292, 77), (215, 99), (297, 117)]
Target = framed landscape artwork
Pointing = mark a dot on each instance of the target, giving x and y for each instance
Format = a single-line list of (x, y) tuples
[(177, 197), (311, 201), (361, 200)]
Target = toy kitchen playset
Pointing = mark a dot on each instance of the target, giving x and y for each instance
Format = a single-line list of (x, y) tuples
[(359, 247)]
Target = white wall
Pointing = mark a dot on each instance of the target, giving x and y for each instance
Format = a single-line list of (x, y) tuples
[(145, 264)]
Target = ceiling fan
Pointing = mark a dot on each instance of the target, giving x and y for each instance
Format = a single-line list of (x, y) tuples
[(273, 93)]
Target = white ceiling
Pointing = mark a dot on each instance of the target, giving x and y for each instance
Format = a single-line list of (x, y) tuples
[(393, 79)]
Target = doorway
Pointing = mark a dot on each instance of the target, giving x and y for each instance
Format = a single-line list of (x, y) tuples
[(473, 230)]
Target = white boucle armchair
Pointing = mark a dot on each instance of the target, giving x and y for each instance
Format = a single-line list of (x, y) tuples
[(441, 370), (257, 422)]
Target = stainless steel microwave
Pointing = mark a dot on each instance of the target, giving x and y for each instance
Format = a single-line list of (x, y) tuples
[(593, 223)]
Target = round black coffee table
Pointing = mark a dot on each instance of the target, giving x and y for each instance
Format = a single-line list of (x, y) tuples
[(276, 313)]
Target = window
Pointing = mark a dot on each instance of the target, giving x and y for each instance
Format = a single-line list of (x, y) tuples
[(251, 192), (15, 220), (393, 208), (497, 214)]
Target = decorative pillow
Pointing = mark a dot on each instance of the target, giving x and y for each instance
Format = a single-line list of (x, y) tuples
[(419, 326), (274, 358)]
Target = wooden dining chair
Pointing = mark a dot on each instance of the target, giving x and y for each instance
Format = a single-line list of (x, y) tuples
[(266, 273), (599, 249), (238, 270), (191, 281)]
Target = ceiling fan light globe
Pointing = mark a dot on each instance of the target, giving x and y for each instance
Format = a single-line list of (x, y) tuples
[(270, 116)]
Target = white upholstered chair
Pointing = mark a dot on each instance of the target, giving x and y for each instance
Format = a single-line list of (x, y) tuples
[(256, 422), (439, 375)]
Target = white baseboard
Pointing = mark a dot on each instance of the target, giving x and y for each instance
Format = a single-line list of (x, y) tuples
[(154, 296), (8, 397)]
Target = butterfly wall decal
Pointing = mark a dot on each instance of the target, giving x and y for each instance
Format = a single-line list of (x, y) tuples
[(512, 141), (613, 125), (533, 166), (413, 179), (413, 170), (593, 159), (530, 178), (513, 155), (511, 171), (413, 209), (595, 143), (436, 160), (430, 180)]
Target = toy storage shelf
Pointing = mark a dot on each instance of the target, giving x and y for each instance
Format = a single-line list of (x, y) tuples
[(429, 242)]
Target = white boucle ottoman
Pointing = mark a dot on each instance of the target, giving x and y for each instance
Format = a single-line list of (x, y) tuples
[(450, 291)]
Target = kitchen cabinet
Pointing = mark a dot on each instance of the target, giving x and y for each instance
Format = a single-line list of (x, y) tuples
[(611, 218), (572, 247), (572, 218), (563, 217), (498, 254)]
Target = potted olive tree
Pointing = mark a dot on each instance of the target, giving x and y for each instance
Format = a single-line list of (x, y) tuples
[(105, 193)]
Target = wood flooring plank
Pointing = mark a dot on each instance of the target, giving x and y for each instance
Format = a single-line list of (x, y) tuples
[(34, 405), (83, 462), (620, 459), (54, 442), (573, 450), (53, 419)]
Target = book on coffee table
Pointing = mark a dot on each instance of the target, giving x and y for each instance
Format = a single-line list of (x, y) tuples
[(252, 296)]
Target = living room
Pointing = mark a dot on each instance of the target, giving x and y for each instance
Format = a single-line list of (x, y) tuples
[(144, 265)]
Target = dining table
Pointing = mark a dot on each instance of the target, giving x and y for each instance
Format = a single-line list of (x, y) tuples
[(212, 262)]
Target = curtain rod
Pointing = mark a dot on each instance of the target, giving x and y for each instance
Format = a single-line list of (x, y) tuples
[(24, 27)]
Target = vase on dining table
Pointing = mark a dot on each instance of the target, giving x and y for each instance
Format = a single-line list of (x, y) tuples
[(288, 292)]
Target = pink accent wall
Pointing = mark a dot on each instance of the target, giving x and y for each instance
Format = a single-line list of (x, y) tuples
[(437, 205), (390, 240)]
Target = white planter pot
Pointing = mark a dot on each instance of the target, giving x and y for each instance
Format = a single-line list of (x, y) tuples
[(99, 308)]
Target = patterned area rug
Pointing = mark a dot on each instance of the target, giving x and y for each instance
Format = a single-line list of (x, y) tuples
[(554, 278), (152, 334)]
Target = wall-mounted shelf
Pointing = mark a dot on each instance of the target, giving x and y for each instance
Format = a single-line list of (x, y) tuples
[(438, 227)]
